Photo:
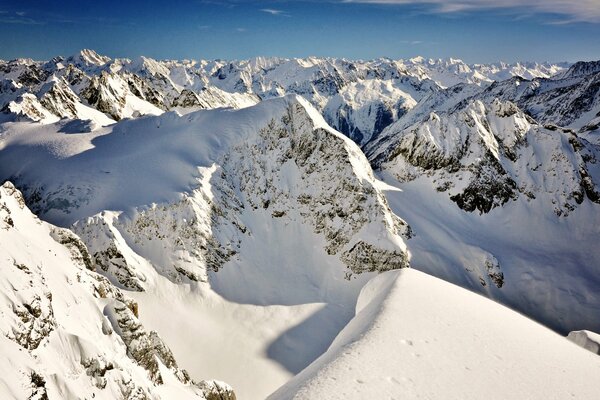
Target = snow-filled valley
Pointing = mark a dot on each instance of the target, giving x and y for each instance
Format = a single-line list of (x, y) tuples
[(201, 228)]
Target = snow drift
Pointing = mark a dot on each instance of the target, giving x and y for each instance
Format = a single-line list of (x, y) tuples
[(415, 336)]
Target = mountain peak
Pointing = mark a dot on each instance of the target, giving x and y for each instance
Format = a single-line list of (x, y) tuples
[(581, 68), (89, 57)]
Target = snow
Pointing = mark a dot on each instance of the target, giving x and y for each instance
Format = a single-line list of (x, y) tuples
[(38, 273), (281, 298), (415, 336), (548, 262), (278, 302), (265, 316), (110, 160)]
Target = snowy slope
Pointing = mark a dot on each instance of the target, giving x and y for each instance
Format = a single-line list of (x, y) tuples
[(66, 331), (547, 265), (263, 214), (415, 336), (533, 190)]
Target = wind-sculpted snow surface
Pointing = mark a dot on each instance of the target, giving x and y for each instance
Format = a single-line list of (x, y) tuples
[(66, 331), (415, 336)]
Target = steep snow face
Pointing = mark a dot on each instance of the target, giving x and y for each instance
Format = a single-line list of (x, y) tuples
[(66, 331), (415, 336)]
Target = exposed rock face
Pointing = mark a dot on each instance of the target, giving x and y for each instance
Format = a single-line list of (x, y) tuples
[(142, 89), (292, 170), (146, 348), (106, 94), (336, 208), (188, 99), (364, 257), (34, 314), (79, 252), (28, 107), (487, 154), (56, 340), (59, 99), (106, 257), (586, 339), (215, 390), (490, 187)]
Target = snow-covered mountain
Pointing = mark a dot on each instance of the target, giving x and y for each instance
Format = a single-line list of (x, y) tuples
[(232, 204), (498, 151), (67, 332), (358, 98), (266, 206), (208, 167), (515, 154)]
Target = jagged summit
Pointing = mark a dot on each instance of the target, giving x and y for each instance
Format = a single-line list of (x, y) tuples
[(123, 88), (580, 69), (88, 57)]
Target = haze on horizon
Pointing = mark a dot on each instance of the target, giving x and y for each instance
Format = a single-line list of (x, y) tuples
[(473, 30)]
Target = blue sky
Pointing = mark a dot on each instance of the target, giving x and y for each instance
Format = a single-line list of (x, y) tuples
[(474, 30)]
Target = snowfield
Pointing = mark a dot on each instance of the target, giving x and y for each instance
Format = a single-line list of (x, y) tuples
[(417, 337)]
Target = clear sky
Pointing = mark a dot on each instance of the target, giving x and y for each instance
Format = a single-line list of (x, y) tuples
[(473, 30)]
